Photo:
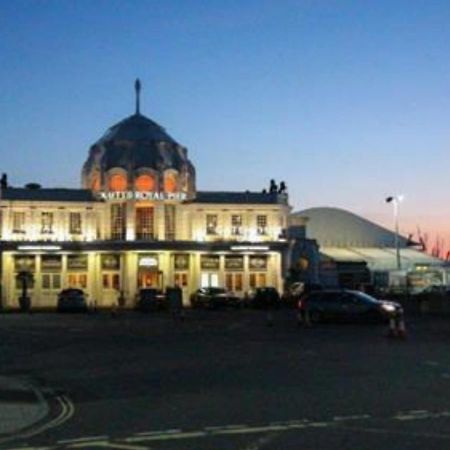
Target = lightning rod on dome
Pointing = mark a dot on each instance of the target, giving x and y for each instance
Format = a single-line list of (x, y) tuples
[(137, 87)]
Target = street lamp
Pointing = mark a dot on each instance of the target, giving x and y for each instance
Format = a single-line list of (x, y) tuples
[(395, 200)]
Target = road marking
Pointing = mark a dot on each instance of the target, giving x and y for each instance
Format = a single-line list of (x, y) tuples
[(152, 433), (108, 444), (398, 432), (67, 411), (167, 437), (81, 439), (354, 417)]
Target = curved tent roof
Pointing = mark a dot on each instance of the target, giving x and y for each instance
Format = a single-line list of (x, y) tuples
[(334, 227)]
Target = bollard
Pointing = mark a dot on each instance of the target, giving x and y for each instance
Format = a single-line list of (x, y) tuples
[(299, 319), (269, 319)]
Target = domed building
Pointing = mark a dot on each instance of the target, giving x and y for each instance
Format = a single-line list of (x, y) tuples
[(139, 222)]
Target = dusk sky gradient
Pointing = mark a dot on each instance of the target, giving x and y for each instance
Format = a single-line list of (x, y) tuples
[(347, 101)]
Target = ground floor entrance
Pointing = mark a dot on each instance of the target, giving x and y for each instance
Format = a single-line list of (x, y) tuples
[(107, 276)]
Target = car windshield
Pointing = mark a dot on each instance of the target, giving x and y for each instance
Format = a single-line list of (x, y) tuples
[(214, 290), (365, 297)]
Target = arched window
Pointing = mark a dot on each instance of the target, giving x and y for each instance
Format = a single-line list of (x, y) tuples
[(145, 183), (117, 182), (170, 182), (95, 182)]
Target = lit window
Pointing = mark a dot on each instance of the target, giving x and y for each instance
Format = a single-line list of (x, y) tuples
[(75, 223), (211, 224), (144, 223), (18, 222), (118, 183), (169, 215), (118, 221), (145, 183), (95, 182), (236, 225), (46, 223), (261, 225), (170, 182)]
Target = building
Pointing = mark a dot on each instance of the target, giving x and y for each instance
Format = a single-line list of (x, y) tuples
[(355, 251), (139, 221)]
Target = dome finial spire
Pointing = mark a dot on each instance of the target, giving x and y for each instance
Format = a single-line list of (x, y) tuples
[(137, 87)]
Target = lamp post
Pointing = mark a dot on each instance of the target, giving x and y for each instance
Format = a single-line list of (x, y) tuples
[(395, 200)]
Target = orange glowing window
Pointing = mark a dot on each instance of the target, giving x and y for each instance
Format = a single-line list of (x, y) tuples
[(118, 183), (170, 182), (145, 183), (95, 184)]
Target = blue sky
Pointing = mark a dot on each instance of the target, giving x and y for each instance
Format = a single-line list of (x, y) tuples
[(347, 101)]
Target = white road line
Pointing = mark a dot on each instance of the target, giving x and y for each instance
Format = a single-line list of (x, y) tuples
[(152, 433), (354, 417), (81, 439), (167, 437), (397, 432), (108, 444)]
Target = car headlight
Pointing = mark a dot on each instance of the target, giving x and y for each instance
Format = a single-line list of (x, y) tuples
[(388, 308)]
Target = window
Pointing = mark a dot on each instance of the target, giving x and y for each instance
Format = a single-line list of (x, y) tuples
[(47, 223), (18, 222), (144, 183), (170, 182), (118, 221), (257, 280), (77, 280), (181, 279), (144, 223), (261, 225), (117, 183), (111, 281), (211, 224), (233, 281), (51, 281), (236, 225), (169, 215), (75, 223)]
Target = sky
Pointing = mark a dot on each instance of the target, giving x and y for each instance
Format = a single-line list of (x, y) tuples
[(348, 102)]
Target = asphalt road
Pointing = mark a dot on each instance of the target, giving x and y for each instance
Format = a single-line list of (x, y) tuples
[(224, 380)]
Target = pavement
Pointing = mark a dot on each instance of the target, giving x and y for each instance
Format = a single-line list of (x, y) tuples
[(21, 406)]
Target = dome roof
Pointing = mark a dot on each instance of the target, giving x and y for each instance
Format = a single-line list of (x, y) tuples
[(136, 128), (334, 227), (134, 144)]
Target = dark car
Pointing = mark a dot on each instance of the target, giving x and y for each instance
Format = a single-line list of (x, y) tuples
[(347, 305), (214, 297), (72, 300), (150, 299), (265, 297)]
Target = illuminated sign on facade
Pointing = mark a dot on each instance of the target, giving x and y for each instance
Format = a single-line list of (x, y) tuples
[(136, 195)]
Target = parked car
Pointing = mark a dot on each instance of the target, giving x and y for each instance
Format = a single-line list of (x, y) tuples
[(72, 300), (150, 299), (347, 305), (265, 297), (214, 297)]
